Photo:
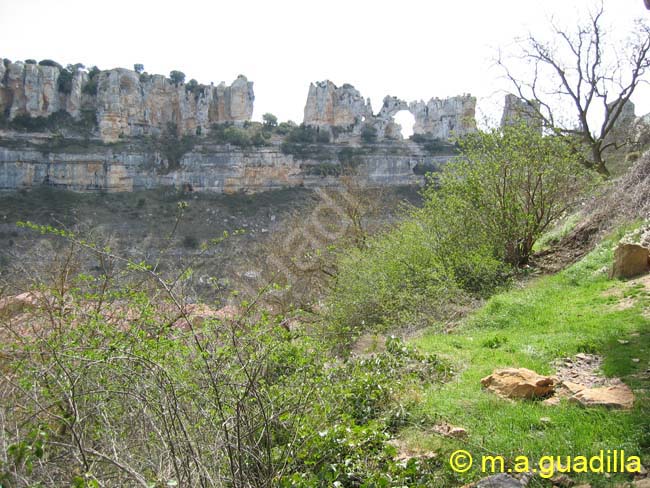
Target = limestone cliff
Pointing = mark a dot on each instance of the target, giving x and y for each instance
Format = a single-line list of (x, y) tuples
[(516, 110), (207, 167), (329, 106), (126, 103), (445, 118)]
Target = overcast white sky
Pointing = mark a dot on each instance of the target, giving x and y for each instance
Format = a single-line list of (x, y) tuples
[(413, 49)]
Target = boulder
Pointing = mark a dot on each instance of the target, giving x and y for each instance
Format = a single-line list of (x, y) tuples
[(448, 430), (518, 383), (617, 397), (13, 305), (630, 260)]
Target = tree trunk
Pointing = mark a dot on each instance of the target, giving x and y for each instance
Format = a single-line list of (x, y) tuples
[(598, 162)]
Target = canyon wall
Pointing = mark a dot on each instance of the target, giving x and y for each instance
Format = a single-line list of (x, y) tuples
[(329, 106), (126, 103), (217, 168)]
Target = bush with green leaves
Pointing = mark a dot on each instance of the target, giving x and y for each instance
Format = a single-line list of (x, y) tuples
[(307, 142), (112, 381), (64, 83), (90, 87), (177, 77), (481, 217), (174, 146), (270, 120), (49, 62), (512, 182), (368, 134), (412, 275)]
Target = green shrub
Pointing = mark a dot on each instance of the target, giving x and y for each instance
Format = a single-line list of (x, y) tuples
[(173, 146), (306, 142), (49, 62), (90, 87), (234, 136), (305, 134), (351, 157), (270, 120), (403, 277), (369, 134), (60, 119), (29, 124), (193, 86), (240, 398), (177, 77), (514, 182), (285, 128), (480, 218)]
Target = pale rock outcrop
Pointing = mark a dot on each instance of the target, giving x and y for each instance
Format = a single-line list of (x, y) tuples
[(629, 131), (444, 118), (75, 98), (385, 123), (125, 104), (615, 397), (516, 111), (238, 99), (33, 89), (518, 383), (5, 99), (128, 107), (331, 106), (11, 306)]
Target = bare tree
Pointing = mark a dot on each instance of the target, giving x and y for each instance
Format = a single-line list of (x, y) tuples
[(586, 69)]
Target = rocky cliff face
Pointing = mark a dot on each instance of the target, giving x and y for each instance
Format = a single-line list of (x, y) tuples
[(127, 106), (222, 169), (126, 103), (445, 117), (329, 106), (516, 111), (33, 90)]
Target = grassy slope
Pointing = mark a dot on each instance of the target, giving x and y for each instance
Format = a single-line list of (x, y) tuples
[(554, 316)]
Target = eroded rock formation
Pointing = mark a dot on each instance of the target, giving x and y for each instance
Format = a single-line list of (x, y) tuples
[(445, 117), (127, 104), (329, 106), (516, 111)]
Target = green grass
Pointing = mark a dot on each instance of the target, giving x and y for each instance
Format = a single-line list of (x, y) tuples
[(556, 234), (552, 317)]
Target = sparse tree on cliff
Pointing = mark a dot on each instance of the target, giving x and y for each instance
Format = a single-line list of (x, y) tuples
[(177, 77), (270, 120), (585, 70), (138, 68)]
